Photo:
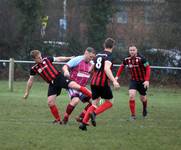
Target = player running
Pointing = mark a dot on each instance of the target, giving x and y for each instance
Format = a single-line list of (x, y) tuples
[(139, 69)]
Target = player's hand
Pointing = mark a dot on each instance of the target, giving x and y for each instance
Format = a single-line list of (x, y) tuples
[(26, 95), (67, 74), (146, 84), (116, 78), (116, 84)]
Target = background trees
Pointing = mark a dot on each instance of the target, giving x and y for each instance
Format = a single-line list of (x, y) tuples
[(167, 25), (29, 24), (88, 23), (98, 15)]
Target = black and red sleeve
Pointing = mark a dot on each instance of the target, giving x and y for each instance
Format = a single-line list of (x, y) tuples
[(121, 68)]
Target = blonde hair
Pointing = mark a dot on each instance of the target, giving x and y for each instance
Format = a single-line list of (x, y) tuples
[(34, 53)]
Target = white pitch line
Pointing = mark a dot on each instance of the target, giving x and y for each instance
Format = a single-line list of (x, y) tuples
[(119, 119), (45, 122)]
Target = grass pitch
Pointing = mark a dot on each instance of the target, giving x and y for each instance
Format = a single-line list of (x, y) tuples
[(26, 124)]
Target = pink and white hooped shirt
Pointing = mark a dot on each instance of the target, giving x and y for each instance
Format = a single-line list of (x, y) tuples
[(79, 70)]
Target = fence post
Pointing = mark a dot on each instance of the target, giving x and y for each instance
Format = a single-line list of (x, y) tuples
[(11, 74)]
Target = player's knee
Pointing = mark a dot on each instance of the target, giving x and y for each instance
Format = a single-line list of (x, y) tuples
[(74, 85), (131, 97), (132, 94), (51, 103), (143, 98), (74, 101)]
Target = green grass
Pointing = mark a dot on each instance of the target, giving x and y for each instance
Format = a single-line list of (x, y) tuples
[(26, 125)]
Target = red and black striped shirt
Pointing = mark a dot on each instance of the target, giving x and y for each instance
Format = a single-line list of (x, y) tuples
[(138, 67), (99, 77), (45, 69)]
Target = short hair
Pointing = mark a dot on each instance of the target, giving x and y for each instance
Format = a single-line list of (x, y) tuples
[(90, 50), (34, 53), (132, 46), (109, 43)]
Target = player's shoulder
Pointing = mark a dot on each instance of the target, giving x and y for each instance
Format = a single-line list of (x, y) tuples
[(102, 53), (77, 59), (140, 56), (51, 58), (81, 57), (34, 66), (127, 57)]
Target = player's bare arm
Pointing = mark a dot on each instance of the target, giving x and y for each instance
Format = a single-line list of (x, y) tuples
[(147, 76), (116, 78), (65, 69), (146, 84), (107, 69), (28, 86), (62, 58)]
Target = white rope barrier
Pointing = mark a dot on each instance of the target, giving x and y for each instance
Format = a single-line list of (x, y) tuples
[(115, 65)]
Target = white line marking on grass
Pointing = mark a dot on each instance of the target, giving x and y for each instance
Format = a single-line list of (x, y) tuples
[(100, 122), (119, 119)]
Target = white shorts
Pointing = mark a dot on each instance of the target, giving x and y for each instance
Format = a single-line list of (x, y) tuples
[(74, 93)]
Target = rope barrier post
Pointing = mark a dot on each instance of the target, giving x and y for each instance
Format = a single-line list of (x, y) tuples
[(11, 74)]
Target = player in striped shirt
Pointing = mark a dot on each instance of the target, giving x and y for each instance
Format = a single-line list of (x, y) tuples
[(100, 84), (54, 78), (139, 70), (79, 70)]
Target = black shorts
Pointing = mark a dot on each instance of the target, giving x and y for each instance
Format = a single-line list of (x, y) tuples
[(138, 85), (57, 84), (103, 92)]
